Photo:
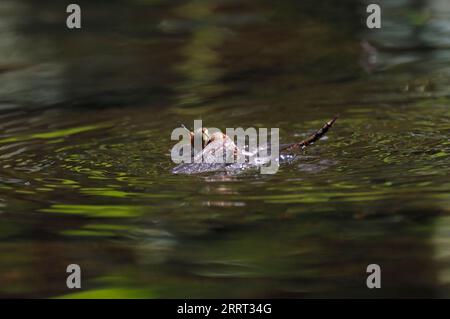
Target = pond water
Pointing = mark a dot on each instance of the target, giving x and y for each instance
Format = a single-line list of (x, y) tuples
[(85, 123)]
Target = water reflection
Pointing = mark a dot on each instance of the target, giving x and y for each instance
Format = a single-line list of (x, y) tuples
[(89, 181), (414, 25), (201, 52)]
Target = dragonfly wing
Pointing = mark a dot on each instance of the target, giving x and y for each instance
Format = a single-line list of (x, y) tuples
[(216, 152), (197, 168), (211, 159)]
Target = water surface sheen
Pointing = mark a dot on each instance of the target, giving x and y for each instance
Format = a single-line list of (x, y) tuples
[(85, 124)]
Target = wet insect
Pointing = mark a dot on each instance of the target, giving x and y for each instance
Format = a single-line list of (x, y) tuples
[(214, 146)]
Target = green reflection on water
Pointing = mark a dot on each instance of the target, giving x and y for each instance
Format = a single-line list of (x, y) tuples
[(202, 55), (111, 293), (116, 211), (53, 134), (375, 190)]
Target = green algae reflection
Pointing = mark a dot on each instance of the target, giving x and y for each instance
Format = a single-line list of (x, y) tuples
[(100, 211), (53, 135)]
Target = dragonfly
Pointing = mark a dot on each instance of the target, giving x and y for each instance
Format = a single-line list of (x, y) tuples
[(215, 146)]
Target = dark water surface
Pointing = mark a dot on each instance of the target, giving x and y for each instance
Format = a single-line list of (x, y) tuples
[(85, 124)]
